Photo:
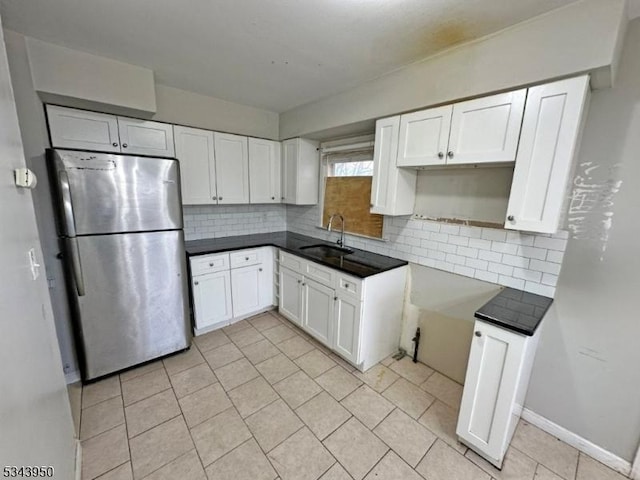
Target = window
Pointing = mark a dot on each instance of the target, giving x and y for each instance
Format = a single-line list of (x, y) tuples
[(347, 191)]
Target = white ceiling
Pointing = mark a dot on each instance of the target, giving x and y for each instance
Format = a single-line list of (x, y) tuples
[(271, 54)]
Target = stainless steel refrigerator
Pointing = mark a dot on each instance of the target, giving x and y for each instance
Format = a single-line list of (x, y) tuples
[(119, 222)]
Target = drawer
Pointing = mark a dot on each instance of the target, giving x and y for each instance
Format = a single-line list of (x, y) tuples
[(204, 264), (349, 285), (320, 274), (245, 258), (292, 262)]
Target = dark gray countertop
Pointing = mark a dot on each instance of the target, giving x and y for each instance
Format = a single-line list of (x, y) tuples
[(359, 263), (515, 310)]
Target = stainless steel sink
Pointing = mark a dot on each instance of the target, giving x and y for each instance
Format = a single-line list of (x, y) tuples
[(326, 250)]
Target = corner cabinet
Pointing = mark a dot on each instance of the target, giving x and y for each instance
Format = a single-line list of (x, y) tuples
[(393, 189), (359, 319), (551, 130), (228, 287), (81, 129), (300, 171), (498, 372), (264, 171)]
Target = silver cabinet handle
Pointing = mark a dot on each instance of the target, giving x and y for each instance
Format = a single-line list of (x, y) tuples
[(511, 218), (219, 198), (335, 299), (114, 144), (246, 259), (273, 198), (211, 264), (124, 145), (259, 269), (478, 333), (304, 284), (299, 281), (440, 155), (196, 283), (450, 154)]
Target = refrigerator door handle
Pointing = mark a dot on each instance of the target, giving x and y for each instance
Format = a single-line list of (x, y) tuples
[(76, 267), (67, 205)]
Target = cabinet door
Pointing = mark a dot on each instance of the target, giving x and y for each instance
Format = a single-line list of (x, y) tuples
[(346, 338), (232, 168), (70, 128), (550, 134), (264, 171), (393, 189), (291, 295), (212, 299), (289, 170), (489, 389), (142, 137), (424, 136), (317, 317), (194, 150), (486, 130), (246, 290)]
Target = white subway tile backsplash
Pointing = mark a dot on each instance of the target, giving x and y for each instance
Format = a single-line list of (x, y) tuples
[(486, 276), (503, 247), (559, 244), (480, 244), (554, 256), (511, 282), (468, 252), (494, 234), (532, 252), (516, 259), (546, 267)]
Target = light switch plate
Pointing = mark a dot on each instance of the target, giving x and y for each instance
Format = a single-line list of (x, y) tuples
[(33, 262)]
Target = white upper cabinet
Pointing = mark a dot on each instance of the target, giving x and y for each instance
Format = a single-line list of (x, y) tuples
[(195, 151), (71, 128), (232, 168), (424, 136), (300, 171), (142, 137), (486, 130), (393, 189), (550, 133), (264, 171)]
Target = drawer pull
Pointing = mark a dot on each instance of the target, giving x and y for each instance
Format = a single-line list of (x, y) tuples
[(259, 269), (114, 144), (346, 285), (246, 259), (335, 299), (211, 264), (478, 333), (196, 283)]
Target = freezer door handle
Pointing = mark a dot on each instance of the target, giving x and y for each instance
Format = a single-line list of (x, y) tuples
[(67, 205), (76, 267)]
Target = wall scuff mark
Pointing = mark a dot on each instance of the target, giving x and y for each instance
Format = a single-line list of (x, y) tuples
[(590, 215)]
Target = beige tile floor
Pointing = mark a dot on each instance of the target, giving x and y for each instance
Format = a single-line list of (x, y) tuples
[(261, 400)]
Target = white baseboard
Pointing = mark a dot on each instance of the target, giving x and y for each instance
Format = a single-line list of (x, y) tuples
[(576, 441), (635, 469), (72, 377), (78, 460)]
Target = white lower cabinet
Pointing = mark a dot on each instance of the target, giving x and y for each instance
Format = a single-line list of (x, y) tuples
[(347, 314), (212, 300), (495, 387), (318, 314), (228, 287), (291, 295), (359, 319)]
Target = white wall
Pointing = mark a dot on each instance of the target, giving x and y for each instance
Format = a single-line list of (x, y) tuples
[(71, 74), (586, 376), (194, 110), (581, 37), (35, 418)]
